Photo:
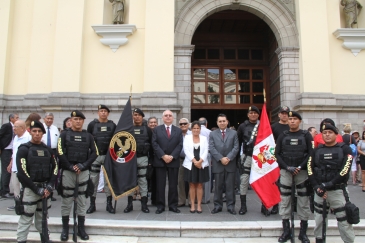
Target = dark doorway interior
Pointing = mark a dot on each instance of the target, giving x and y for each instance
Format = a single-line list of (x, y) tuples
[(235, 117)]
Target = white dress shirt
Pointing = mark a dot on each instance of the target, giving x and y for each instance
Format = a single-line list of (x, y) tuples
[(17, 142), (55, 134)]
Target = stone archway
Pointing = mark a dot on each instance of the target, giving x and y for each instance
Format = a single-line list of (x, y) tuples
[(278, 18)]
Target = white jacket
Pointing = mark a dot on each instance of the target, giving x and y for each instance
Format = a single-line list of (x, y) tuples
[(189, 151)]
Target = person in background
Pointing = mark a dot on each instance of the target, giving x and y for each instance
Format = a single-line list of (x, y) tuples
[(67, 123), (152, 123), (361, 152), (181, 187), (318, 138), (196, 164), (356, 135), (349, 139), (312, 131), (30, 118)]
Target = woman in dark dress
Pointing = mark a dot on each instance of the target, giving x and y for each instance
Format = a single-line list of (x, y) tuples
[(196, 165)]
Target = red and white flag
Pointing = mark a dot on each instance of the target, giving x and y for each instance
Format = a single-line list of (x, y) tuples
[(264, 169)]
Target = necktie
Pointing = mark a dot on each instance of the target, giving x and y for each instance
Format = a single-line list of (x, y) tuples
[(168, 131), (223, 135), (48, 138)]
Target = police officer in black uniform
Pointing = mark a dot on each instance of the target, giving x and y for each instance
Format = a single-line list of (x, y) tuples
[(37, 172), (293, 150), (103, 130), (143, 136), (76, 151), (247, 133), (328, 173)]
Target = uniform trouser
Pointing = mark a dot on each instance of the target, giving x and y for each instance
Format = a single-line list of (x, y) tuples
[(5, 175), (15, 183), (69, 181), (181, 184), (95, 175), (335, 200), (303, 209), (245, 176), (142, 163), (35, 210)]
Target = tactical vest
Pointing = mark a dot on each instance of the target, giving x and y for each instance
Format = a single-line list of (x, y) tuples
[(294, 148), (38, 164), (103, 133), (142, 140), (77, 146), (328, 161), (247, 132)]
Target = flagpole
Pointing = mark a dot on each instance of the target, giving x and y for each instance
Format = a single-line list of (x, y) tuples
[(264, 96), (130, 95)]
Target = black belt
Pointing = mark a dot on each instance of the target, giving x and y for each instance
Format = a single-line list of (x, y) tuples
[(337, 187)]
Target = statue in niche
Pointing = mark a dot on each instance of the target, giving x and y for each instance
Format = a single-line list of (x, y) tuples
[(118, 11), (352, 9)]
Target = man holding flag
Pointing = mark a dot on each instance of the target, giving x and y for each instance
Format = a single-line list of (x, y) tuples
[(293, 151)]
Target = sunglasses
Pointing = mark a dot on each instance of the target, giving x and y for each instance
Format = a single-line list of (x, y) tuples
[(181, 124)]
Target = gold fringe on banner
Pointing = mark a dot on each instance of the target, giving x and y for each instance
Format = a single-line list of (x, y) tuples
[(127, 193)]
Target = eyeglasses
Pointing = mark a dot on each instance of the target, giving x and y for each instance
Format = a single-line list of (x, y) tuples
[(183, 124), (167, 115)]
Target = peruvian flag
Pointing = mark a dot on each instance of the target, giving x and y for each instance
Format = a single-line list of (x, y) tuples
[(264, 169)]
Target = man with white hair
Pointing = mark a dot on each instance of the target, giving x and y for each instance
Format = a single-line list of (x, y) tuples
[(184, 126)]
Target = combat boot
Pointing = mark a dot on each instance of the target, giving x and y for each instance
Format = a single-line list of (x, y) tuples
[(43, 240), (64, 234), (144, 205), (243, 208), (81, 228), (319, 241), (303, 231), (130, 205), (22, 242), (109, 206), (265, 211), (275, 209), (286, 234), (92, 207)]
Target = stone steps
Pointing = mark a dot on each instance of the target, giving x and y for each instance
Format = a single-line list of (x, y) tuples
[(176, 229)]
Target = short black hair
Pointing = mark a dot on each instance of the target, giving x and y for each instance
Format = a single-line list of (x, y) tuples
[(195, 123), (221, 115), (203, 121), (310, 129)]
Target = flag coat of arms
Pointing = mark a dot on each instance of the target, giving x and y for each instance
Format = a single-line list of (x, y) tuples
[(265, 170), (120, 165)]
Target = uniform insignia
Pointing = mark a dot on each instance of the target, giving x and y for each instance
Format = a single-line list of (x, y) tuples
[(122, 147), (40, 153), (290, 113), (103, 129), (99, 106), (249, 108), (74, 113), (323, 127), (285, 108), (32, 124)]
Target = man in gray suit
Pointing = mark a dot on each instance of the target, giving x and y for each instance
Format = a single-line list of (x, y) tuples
[(223, 146)]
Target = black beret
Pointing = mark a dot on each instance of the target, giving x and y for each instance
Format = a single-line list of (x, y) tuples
[(139, 111), (284, 109), (103, 107), (294, 114), (37, 124), (253, 108), (329, 127), (77, 113)]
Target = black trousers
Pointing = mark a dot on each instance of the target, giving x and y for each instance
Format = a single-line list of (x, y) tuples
[(227, 179), (172, 174), (5, 175)]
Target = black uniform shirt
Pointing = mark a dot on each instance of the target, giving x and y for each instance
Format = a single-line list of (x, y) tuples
[(149, 134), (90, 127), (309, 142), (61, 149), (247, 125), (278, 128), (21, 163), (340, 177)]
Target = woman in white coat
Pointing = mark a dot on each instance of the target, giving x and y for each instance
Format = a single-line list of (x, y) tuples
[(196, 164)]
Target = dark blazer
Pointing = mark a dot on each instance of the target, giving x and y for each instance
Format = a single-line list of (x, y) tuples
[(6, 135), (227, 148), (163, 145)]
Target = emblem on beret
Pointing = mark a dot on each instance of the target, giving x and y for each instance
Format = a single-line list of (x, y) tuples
[(249, 108), (74, 113), (323, 127), (32, 124), (135, 109), (99, 106), (290, 113), (285, 108)]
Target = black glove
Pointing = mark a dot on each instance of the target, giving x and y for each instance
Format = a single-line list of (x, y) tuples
[(80, 166), (71, 168), (327, 185), (321, 187), (291, 169), (49, 188), (40, 192)]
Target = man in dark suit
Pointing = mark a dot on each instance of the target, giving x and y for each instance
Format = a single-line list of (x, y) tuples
[(6, 147), (223, 146), (167, 142)]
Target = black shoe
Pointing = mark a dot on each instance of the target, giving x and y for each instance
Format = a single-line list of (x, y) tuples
[(216, 210), (92, 207), (319, 240), (109, 206), (286, 234), (64, 234), (192, 211), (175, 210), (160, 210), (11, 208), (129, 207), (43, 240), (275, 209), (243, 208), (199, 212), (303, 232), (265, 211), (81, 228), (232, 211), (144, 207), (7, 195)]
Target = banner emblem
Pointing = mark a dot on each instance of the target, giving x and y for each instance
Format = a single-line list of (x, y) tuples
[(122, 147)]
